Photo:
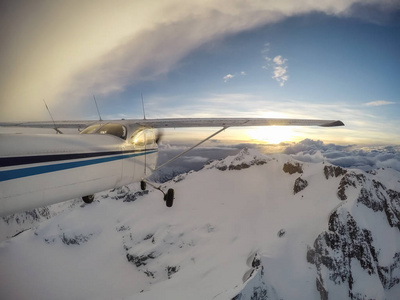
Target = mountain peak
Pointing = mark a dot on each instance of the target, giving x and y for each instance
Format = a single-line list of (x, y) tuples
[(258, 230), (243, 160)]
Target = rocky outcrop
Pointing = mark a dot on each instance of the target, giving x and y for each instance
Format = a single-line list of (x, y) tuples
[(125, 194), (13, 225), (293, 167), (30, 216), (299, 185), (333, 171), (348, 252), (256, 285), (349, 180)]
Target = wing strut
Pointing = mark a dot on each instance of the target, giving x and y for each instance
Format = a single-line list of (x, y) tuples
[(169, 195), (191, 148)]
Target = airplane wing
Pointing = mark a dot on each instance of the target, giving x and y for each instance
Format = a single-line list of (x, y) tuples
[(184, 122), (234, 122), (50, 124)]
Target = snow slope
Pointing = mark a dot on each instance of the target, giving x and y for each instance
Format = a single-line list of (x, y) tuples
[(247, 227)]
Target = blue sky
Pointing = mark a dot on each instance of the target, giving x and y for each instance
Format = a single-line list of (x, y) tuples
[(300, 59)]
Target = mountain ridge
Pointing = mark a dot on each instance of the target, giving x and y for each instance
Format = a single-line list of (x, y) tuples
[(245, 227)]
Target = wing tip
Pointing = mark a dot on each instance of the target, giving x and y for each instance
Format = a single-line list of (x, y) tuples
[(333, 124)]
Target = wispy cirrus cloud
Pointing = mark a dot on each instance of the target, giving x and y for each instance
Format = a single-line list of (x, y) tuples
[(379, 103)]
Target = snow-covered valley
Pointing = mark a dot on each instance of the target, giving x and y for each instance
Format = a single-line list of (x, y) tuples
[(250, 226)]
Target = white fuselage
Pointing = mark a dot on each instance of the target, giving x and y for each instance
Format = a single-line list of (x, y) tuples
[(39, 170)]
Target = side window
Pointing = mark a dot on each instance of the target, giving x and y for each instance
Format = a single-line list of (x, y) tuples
[(117, 130), (91, 129), (142, 138), (150, 138), (113, 129), (138, 139)]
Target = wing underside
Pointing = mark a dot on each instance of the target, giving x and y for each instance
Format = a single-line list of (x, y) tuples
[(235, 122), (185, 122)]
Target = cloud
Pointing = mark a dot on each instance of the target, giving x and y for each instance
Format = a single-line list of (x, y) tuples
[(308, 150), (278, 64), (195, 159), (280, 70), (362, 126), (66, 51), (228, 77), (279, 60), (379, 103), (366, 158)]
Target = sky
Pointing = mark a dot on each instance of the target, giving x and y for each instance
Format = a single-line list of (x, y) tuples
[(291, 59)]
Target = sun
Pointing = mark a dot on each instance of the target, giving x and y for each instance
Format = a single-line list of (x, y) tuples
[(272, 134)]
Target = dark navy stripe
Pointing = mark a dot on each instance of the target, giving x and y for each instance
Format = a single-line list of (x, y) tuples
[(25, 160), (25, 172)]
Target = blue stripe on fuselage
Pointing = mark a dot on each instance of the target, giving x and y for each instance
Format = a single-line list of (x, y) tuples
[(25, 172)]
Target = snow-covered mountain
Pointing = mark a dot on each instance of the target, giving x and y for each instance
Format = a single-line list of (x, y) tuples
[(249, 226)]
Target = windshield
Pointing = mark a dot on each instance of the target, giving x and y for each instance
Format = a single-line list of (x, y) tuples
[(143, 138), (117, 130), (91, 129)]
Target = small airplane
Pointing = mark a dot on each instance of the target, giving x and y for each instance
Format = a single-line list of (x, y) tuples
[(37, 170)]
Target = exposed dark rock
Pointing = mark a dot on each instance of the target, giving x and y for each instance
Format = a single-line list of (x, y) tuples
[(74, 239), (281, 232), (257, 287), (221, 167), (240, 166), (179, 177), (30, 216), (367, 198), (171, 270), (323, 293), (123, 228), (292, 167), (387, 274), (334, 171), (149, 236), (149, 274), (259, 294), (346, 241), (129, 197), (349, 180), (392, 208), (125, 194), (299, 185), (140, 260), (378, 198)]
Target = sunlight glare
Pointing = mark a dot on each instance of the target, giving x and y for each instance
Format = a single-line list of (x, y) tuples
[(272, 134)]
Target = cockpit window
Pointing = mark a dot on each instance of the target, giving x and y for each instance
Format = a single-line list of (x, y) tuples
[(142, 138), (91, 129), (117, 130), (138, 139)]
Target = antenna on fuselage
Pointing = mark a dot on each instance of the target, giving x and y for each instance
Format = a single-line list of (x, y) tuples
[(145, 141), (144, 112), (54, 123), (95, 102)]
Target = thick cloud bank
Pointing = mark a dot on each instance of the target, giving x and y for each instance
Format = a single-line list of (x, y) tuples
[(65, 50), (366, 158)]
